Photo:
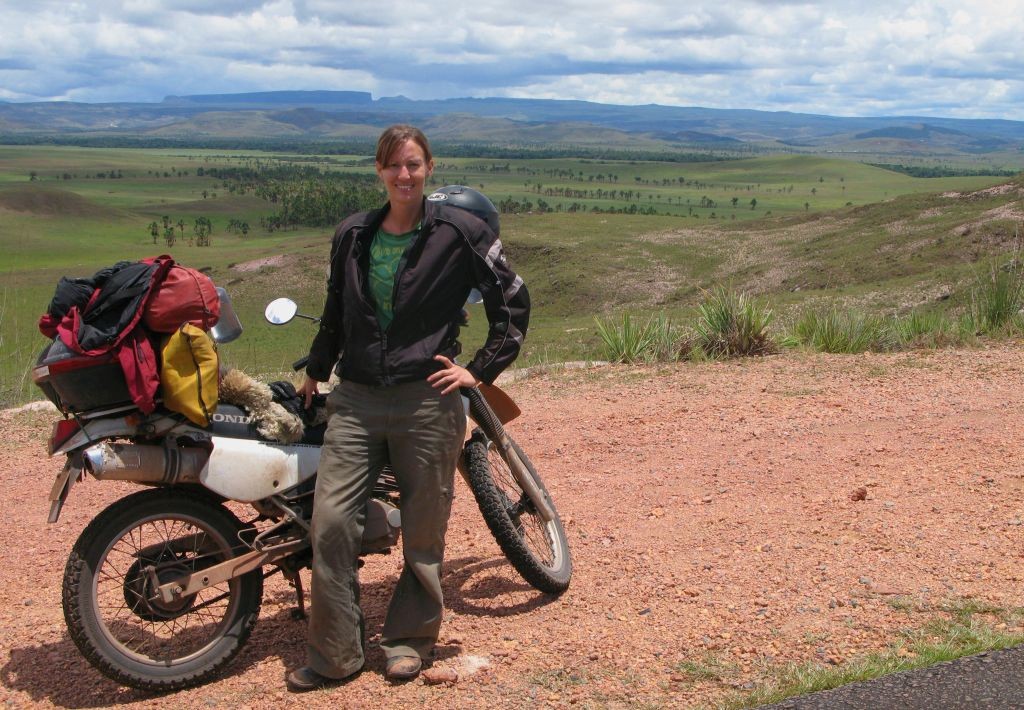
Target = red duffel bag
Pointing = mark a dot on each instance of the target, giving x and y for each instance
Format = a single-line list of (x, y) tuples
[(184, 296)]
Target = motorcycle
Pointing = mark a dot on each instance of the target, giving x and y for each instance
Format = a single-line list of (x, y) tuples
[(163, 588)]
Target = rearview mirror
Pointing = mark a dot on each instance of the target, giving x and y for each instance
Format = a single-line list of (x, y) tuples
[(280, 311)]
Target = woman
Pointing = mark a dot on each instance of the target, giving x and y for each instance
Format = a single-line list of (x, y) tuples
[(399, 278)]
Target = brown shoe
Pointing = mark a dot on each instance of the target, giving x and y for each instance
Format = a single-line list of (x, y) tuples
[(304, 679), (403, 667)]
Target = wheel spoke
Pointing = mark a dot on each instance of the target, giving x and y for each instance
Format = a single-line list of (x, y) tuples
[(116, 613), (521, 510), (530, 535), (135, 616)]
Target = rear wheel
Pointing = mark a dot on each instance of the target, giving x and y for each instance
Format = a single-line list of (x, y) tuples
[(114, 612), (535, 545)]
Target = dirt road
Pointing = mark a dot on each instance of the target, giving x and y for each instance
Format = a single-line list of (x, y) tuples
[(725, 517)]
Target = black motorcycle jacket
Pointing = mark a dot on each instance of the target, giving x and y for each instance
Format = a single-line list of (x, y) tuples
[(452, 253)]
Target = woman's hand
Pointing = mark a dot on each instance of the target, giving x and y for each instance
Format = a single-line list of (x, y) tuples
[(451, 377), (309, 388)]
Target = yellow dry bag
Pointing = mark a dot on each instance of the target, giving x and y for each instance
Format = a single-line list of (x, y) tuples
[(188, 376)]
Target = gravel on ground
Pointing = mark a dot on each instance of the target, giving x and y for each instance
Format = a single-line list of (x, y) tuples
[(730, 516)]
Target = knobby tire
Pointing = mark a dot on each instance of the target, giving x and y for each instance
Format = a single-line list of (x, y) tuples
[(536, 548)]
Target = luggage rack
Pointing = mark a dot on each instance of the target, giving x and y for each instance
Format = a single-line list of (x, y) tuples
[(102, 412)]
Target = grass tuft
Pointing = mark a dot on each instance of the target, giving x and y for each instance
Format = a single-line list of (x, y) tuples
[(997, 298), (920, 329), (709, 668), (732, 324), (960, 633), (630, 341), (834, 331)]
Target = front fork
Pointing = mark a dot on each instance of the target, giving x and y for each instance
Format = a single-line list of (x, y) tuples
[(491, 426)]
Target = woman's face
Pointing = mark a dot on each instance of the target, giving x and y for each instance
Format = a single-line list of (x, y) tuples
[(405, 174)]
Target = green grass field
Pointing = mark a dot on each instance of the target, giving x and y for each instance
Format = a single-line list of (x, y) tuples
[(821, 229)]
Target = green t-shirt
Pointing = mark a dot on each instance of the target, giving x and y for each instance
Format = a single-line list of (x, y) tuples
[(385, 254)]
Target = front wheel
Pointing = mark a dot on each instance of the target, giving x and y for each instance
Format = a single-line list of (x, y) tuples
[(536, 546), (118, 620)]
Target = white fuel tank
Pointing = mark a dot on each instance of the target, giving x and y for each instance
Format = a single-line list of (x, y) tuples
[(247, 470)]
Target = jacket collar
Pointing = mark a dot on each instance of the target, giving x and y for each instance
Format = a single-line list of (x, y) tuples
[(374, 218)]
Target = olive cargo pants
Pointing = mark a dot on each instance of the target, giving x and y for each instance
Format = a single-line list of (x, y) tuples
[(421, 433)]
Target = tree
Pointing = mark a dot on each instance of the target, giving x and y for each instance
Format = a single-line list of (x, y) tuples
[(169, 236), (154, 230), (181, 227), (203, 229), (753, 202)]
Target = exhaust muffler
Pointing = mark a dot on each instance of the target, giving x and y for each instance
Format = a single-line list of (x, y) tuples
[(145, 463)]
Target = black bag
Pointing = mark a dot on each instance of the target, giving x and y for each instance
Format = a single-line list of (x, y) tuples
[(118, 305), (69, 293)]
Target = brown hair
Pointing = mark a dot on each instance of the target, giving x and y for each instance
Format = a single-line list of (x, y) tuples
[(396, 135)]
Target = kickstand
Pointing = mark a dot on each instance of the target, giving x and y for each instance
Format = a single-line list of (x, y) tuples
[(299, 612)]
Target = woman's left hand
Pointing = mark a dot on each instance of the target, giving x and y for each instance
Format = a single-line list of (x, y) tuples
[(451, 377)]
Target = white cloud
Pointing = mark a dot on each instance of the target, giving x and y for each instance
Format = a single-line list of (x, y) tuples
[(295, 76), (910, 56)]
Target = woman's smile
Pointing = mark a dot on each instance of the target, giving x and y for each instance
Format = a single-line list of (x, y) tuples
[(405, 173)]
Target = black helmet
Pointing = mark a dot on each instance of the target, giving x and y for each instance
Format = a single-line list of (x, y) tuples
[(473, 201)]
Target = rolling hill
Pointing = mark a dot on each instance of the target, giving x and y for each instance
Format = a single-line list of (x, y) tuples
[(357, 116)]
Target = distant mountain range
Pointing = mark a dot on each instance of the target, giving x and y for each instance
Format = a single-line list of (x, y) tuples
[(356, 116)]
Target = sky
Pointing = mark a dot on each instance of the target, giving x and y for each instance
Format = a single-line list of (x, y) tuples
[(849, 57)]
